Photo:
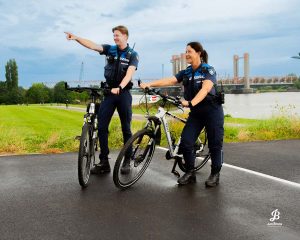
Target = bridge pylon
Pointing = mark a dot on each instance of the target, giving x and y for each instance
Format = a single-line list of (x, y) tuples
[(246, 88)]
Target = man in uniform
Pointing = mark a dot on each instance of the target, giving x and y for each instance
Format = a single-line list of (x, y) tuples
[(121, 64)]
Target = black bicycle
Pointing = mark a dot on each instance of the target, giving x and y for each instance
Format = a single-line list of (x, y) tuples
[(142, 144), (89, 134)]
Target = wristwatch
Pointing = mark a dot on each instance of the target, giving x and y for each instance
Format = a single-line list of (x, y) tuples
[(121, 89), (190, 104)]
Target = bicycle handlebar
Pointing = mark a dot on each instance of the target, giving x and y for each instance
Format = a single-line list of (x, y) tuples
[(151, 91), (103, 88)]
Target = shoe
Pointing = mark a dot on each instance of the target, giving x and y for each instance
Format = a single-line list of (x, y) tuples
[(188, 177), (102, 167), (125, 169), (213, 180)]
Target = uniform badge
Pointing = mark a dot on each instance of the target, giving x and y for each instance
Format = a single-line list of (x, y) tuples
[(211, 71)]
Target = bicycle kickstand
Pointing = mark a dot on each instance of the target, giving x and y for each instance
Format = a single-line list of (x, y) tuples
[(176, 173)]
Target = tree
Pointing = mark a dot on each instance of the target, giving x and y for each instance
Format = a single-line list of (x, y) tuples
[(3, 93), (11, 74), (38, 93), (60, 94)]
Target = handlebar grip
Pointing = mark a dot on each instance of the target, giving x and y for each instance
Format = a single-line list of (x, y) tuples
[(139, 82)]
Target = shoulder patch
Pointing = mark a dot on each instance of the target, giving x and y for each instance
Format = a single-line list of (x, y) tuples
[(211, 71)]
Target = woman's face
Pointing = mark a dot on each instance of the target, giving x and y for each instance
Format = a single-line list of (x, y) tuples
[(191, 55)]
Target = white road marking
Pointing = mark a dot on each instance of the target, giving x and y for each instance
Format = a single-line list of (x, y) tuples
[(253, 172)]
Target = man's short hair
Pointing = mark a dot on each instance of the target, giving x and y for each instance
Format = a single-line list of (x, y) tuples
[(122, 29)]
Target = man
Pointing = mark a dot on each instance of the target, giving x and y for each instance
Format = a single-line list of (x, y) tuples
[(121, 64)]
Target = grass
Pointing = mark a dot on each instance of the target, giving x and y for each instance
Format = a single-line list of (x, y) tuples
[(43, 129)]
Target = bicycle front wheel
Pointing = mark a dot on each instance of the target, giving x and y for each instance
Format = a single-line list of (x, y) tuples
[(137, 153), (85, 156)]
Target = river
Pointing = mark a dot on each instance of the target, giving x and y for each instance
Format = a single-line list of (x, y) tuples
[(258, 105)]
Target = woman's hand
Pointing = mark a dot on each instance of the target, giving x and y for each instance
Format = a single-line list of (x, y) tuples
[(184, 103), (144, 85)]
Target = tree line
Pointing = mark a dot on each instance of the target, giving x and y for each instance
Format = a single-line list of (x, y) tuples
[(12, 93)]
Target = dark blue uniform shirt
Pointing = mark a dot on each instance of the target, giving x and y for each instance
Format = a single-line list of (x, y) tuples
[(192, 80), (118, 62)]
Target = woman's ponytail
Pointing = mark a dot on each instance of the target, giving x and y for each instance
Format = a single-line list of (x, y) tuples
[(204, 56)]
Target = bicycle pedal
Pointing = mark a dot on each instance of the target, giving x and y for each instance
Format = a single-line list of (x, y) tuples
[(77, 137)]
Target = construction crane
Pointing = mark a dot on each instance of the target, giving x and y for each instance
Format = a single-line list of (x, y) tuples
[(297, 57)]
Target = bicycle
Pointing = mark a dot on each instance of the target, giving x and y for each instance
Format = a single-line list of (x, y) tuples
[(88, 145), (142, 144)]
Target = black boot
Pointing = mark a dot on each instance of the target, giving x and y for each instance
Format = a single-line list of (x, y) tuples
[(214, 177), (188, 177), (102, 167), (125, 169)]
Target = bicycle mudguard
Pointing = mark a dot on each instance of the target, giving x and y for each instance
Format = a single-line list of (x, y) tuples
[(158, 136), (156, 122)]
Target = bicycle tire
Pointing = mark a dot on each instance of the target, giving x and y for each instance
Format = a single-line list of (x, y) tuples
[(142, 153), (85, 156), (202, 153)]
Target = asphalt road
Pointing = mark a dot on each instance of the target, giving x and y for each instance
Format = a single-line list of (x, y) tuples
[(40, 198)]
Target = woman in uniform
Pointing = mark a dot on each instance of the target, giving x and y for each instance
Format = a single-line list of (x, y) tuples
[(199, 80)]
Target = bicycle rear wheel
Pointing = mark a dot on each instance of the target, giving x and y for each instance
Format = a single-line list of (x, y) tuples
[(201, 151), (86, 155), (142, 145)]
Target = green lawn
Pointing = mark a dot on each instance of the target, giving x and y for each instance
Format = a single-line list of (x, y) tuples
[(26, 129), (45, 129)]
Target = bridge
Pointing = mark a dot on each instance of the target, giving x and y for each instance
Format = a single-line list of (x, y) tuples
[(256, 81), (236, 85)]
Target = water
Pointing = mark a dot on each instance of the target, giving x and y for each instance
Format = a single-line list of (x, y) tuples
[(262, 105), (258, 105)]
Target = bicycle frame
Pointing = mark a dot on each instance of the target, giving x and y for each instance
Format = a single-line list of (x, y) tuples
[(161, 115), (160, 118)]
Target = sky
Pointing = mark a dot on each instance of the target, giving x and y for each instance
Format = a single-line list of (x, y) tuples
[(32, 33)]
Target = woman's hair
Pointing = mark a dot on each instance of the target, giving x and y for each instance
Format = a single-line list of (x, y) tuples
[(198, 48), (122, 29)]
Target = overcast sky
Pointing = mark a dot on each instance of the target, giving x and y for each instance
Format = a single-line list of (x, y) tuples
[(32, 33)]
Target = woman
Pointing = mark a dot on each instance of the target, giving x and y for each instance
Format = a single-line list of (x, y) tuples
[(199, 80)]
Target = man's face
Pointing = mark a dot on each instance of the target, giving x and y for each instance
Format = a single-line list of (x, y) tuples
[(120, 38)]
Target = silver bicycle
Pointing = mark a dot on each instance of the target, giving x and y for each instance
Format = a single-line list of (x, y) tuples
[(142, 144)]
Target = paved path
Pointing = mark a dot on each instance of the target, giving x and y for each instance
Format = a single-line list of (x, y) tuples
[(79, 109), (40, 198)]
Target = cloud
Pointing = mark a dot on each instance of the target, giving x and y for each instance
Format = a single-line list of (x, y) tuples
[(268, 30)]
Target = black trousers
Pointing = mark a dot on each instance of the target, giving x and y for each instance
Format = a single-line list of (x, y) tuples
[(210, 116), (111, 102)]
